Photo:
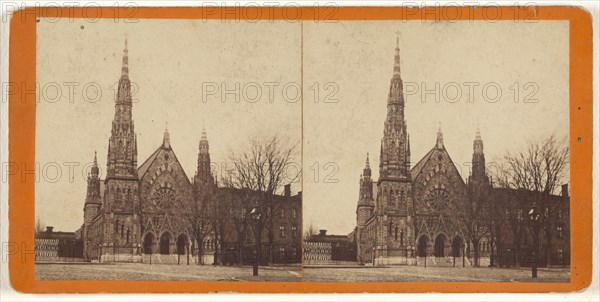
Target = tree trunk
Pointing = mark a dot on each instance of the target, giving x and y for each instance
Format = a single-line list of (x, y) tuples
[(548, 245), (476, 252)]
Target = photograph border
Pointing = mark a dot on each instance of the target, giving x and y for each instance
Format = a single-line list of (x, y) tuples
[(22, 119)]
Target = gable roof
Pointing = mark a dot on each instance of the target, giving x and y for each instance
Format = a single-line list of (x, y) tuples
[(416, 170), (146, 165)]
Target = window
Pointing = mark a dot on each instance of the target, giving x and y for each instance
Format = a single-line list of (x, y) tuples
[(560, 232), (389, 228), (282, 213), (281, 231), (122, 227), (560, 214), (294, 213), (396, 233), (128, 233), (294, 230)]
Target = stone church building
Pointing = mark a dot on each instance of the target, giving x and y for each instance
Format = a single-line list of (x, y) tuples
[(136, 211), (403, 217), (131, 211)]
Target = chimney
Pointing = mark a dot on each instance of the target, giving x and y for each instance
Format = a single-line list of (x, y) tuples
[(287, 191), (565, 190), (49, 229), (323, 233)]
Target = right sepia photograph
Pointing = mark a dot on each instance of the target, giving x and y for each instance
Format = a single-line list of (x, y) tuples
[(436, 151)]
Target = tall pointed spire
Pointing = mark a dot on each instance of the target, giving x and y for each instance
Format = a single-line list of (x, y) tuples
[(125, 67), (440, 138), (122, 146), (394, 161)]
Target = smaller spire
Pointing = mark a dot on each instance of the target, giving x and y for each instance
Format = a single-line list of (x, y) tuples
[(368, 166), (440, 138), (95, 158), (166, 139)]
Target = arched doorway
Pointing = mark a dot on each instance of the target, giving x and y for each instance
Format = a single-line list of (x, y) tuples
[(456, 246), (165, 242), (181, 244), (422, 246), (440, 242), (148, 240)]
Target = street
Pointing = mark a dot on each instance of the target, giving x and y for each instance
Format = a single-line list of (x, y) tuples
[(164, 272), (420, 274)]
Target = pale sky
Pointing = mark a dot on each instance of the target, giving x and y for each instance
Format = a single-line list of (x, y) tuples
[(358, 57), (169, 60)]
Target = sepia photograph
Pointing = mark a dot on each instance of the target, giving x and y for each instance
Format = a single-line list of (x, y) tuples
[(168, 150), (440, 153)]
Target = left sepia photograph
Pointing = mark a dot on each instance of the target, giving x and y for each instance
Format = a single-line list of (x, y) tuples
[(155, 157)]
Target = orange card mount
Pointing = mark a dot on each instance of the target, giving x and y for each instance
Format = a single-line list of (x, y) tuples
[(22, 138)]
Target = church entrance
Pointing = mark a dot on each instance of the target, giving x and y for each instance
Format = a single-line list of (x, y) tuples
[(165, 242), (456, 246), (422, 247), (440, 242), (181, 243), (148, 239)]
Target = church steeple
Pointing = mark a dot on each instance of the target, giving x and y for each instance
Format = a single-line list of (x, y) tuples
[(122, 145), (394, 158)]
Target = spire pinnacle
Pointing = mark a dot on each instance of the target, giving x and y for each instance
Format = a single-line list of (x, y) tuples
[(368, 166), (125, 67), (440, 138), (203, 135), (95, 158), (477, 134), (397, 57), (166, 139)]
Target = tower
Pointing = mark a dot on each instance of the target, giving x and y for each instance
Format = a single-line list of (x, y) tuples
[(120, 205), (203, 171), (394, 196), (478, 162), (204, 182), (91, 207), (365, 206)]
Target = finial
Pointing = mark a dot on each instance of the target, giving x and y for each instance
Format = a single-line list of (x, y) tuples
[(477, 134), (368, 165), (166, 139), (397, 56), (440, 138), (95, 158), (125, 67), (203, 135)]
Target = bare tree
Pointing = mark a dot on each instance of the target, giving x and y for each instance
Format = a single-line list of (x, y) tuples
[(39, 227), (260, 171), (199, 214), (536, 174), (309, 231)]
